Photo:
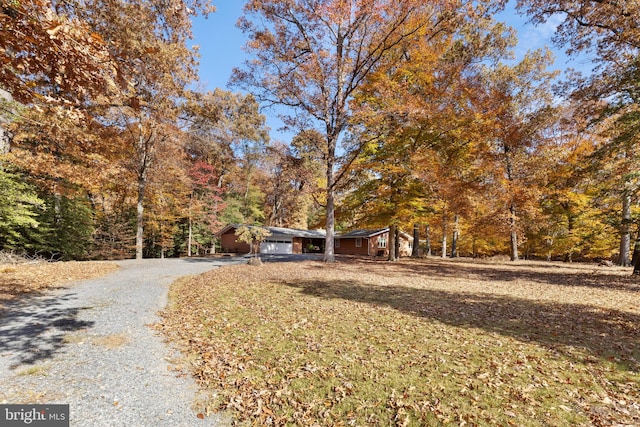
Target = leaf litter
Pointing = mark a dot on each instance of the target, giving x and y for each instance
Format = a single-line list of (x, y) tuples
[(19, 279), (414, 343)]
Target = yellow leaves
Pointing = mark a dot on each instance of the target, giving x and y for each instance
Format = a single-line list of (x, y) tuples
[(53, 31)]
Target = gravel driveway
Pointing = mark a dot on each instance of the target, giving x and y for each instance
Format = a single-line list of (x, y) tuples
[(89, 346)]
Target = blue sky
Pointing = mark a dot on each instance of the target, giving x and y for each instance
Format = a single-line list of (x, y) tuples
[(220, 43), (221, 46)]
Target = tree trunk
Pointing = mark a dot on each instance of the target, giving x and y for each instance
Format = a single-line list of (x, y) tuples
[(636, 248), (329, 254), (329, 249), (415, 252), (454, 239), (474, 247), (636, 266), (625, 230), (391, 244), (474, 237), (397, 243), (512, 209), (140, 217), (190, 237), (514, 233), (568, 256), (444, 234), (144, 153), (428, 231)]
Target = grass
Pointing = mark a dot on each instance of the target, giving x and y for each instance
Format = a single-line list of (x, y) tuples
[(111, 342), (418, 343), (38, 370)]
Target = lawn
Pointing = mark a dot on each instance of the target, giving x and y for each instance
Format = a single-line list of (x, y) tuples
[(415, 343)]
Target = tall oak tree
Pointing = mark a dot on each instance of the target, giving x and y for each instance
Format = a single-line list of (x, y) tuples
[(311, 55)]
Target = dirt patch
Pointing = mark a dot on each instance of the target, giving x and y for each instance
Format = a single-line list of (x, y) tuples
[(111, 341)]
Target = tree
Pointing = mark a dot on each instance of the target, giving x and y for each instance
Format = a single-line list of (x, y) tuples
[(307, 164), (415, 250), (227, 131), (205, 203), (614, 167), (67, 227), (518, 101), (253, 235), (422, 127), (150, 41), (608, 31), (392, 246), (168, 198), (607, 27), (106, 78), (288, 196), (19, 207), (312, 56), (49, 56)]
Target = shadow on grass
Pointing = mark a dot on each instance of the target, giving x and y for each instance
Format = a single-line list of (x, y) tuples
[(552, 273), (605, 334), (33, 328)]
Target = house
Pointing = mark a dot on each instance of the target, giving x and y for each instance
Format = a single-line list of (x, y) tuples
[(370, 243), (293, 241), (281, 241)]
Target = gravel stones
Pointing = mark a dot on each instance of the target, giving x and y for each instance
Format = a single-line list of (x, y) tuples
[(90, 346)]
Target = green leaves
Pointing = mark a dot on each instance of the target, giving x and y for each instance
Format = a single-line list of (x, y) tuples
[(18, 209)]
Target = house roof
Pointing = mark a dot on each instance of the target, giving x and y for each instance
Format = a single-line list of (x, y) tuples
[(281, 231), (292, 232), (316, 234), (361, 233)]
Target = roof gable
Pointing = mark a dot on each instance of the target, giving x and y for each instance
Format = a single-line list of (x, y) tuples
[(361, 233)]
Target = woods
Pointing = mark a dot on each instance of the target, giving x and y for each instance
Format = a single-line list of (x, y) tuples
[(410, 115)]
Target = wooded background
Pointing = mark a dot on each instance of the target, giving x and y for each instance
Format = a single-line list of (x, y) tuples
[(405, 115)]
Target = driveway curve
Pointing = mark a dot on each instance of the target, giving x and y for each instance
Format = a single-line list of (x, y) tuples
[(90, 346)]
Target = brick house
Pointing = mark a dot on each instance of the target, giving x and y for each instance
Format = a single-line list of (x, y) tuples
[(281, 241), (370, 243), (292, 241)]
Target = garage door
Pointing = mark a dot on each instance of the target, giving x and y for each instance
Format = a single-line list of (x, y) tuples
[(279, 246)]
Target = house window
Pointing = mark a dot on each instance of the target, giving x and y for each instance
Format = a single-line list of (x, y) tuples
[(358, 242), (337, 243), (382, 242)]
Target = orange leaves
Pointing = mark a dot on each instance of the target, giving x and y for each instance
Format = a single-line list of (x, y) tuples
[(38, 43)]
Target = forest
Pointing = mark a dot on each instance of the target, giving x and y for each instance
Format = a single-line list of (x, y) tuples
[(408, 114)]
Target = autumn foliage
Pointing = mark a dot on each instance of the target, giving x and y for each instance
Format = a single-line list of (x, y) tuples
[(406, 114)]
